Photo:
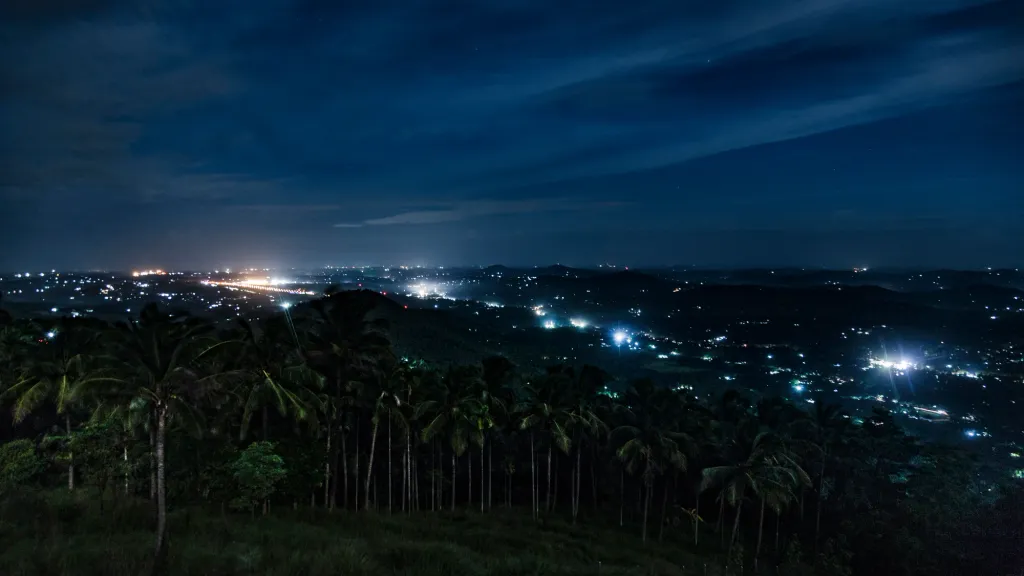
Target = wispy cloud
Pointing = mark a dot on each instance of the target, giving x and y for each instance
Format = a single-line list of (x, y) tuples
[(480, 209)]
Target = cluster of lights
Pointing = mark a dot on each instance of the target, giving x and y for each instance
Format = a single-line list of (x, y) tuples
[(578, 323), (902, 365), (425, 290), (261, 285), (156, 272)]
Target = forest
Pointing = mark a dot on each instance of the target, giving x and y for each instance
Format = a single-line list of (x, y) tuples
[(302, 443)]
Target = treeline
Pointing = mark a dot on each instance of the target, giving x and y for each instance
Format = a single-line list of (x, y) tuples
[(311, 408)]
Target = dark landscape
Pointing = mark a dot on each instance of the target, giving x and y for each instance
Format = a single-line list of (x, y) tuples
[(511, 287)]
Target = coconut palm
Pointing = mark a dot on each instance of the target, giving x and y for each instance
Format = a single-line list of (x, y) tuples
[(270, 375), (545, 413), (584, 421), (453, 411), (757, 462), (160, 354), (61, 366), (651, 442)]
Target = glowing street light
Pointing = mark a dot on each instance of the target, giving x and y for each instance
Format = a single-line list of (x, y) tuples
[(550, 324), (286, 305), (619, 337)]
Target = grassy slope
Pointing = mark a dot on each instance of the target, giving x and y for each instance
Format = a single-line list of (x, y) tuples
[(67, 535)]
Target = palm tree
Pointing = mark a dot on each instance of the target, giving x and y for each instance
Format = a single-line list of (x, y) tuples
[(584, 420), (497, 397), (651, 441), (63, 364), (454, 411), (827, 424), (389, 405), (160, 353), (271, 376), (349, 347), (545, 411), (757, 461)]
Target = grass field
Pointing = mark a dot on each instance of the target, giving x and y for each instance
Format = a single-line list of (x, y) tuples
[(63, 534)]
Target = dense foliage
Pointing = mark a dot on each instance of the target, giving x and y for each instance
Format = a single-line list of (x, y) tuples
[(165, 407)]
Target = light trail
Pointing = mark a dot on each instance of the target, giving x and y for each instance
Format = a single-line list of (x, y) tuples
[(259, 286)]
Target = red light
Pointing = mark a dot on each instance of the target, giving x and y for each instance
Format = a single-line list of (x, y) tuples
[(406, 306)]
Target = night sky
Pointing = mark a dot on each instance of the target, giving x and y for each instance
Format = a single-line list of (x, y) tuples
[(217, 133)]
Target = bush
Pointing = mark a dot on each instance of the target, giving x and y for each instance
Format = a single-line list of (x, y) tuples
[(19, 463)]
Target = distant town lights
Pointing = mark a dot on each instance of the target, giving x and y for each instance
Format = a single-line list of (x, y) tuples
[(578, 322)]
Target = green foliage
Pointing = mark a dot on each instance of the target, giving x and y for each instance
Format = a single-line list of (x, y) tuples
[(257, 471), (359, 428), (19, 463)]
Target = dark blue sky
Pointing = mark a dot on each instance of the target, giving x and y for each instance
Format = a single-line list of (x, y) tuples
[(252, 132)]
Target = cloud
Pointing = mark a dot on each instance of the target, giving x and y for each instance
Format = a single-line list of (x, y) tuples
[(480, 209)]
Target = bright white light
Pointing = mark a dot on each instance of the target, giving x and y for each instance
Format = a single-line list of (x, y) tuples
[(798, 387), (619, 337), (578, 322), (51, 334), (53, 309), (286, 305), (549, 324), (970, 433)]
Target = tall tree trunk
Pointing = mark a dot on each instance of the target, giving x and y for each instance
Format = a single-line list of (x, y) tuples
[(554, 486), (760, 532), (579, 472), (735, 525), (327, 469), (126, 469), (369, 464), (71, 455), (547, 495), (533, 476), (152, 460), (696, 522), (390, 491), (647, 505), (161, 491), (334, 473), (355, 500), (664, 505), (344, 469), (721, 520)]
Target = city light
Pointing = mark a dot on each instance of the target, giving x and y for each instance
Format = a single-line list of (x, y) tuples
[(286, 305), (902, 365), (578, 322), (51, 334), (619, 337), (549, 324)]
